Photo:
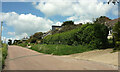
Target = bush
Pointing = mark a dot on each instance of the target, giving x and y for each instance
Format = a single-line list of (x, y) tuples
[(34, 38), (60, 49), (93, 34), (116, 33), (4, 53), (88, 34), (111, 44)]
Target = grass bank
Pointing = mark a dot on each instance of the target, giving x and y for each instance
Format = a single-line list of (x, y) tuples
[(23, 44), (60, 49), (3, 52)]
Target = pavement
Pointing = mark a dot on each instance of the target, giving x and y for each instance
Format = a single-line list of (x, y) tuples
[(20, 58), (104, 56)]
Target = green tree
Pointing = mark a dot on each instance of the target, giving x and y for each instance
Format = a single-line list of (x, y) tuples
[(34, 38), (9, 41), (116, 33), (93, 34), (16, 42), (101, 20), (38, 35), (68, 23)]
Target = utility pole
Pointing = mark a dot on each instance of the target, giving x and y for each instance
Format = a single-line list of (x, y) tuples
[(1, 35)]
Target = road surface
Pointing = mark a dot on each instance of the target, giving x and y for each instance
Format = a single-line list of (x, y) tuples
[(20, 58)]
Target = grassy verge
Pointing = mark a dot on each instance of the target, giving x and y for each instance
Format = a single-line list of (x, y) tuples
[(110, 43), (22, 44), (3, 51), (60, 49)]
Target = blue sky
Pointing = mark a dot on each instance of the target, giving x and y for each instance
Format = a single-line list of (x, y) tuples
[(20, 8), (25, 18)]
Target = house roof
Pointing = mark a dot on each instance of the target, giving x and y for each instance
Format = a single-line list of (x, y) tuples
[(111, 23), (56, 26)]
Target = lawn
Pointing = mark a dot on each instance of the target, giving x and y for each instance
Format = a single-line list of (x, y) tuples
[(60, 49)]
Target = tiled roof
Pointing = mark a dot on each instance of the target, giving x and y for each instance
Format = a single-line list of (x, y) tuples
[(111, 23)]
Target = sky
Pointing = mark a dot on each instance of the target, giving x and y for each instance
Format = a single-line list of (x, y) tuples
[(22, 19)]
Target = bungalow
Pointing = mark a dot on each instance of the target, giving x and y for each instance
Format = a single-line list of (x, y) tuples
[(56, 27)]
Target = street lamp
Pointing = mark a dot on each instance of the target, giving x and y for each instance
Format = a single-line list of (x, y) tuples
[(1, 35)]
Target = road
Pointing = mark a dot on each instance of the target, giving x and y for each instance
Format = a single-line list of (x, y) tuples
[(20, 58)]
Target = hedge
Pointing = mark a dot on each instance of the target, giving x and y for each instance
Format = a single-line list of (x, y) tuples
[(4, 54)]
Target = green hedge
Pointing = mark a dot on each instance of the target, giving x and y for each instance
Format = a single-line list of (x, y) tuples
[(4, 53), (60, 49), (116, 34), (94, 35)]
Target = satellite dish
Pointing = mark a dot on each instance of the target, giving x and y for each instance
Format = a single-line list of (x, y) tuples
[(113, 1)]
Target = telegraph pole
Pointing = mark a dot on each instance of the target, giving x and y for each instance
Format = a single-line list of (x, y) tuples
[(1, 35)]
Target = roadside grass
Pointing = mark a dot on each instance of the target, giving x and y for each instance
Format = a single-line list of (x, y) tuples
[(110, 43), (3, 52), (60, 49), (23, 44)]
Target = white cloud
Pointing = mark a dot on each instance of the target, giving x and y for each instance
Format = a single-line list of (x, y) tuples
[(79, 10), (11, 33), (59, 23), (68, 8), (26, 23), (20, 0), (21, 36), (116, 10), (72, 18)]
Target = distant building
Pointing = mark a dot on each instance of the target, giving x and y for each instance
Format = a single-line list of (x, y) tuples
[(111, 23), (55, 27)]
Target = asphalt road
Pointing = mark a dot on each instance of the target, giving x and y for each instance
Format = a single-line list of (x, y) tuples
[(25, 59)]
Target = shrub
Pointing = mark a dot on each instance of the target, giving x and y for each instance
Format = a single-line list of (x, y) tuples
[(92, 34), (35, 37), (4, 53), (116, 33), (111, 44)]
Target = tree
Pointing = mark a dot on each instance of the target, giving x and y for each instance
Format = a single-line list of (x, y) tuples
[(68, 23), (101, 20), (36, 37), (116, 33), (15, 42), (94, 35), (9, 41)]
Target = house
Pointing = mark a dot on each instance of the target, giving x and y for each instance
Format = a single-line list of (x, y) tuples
[(56, 27), (111, 23)]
